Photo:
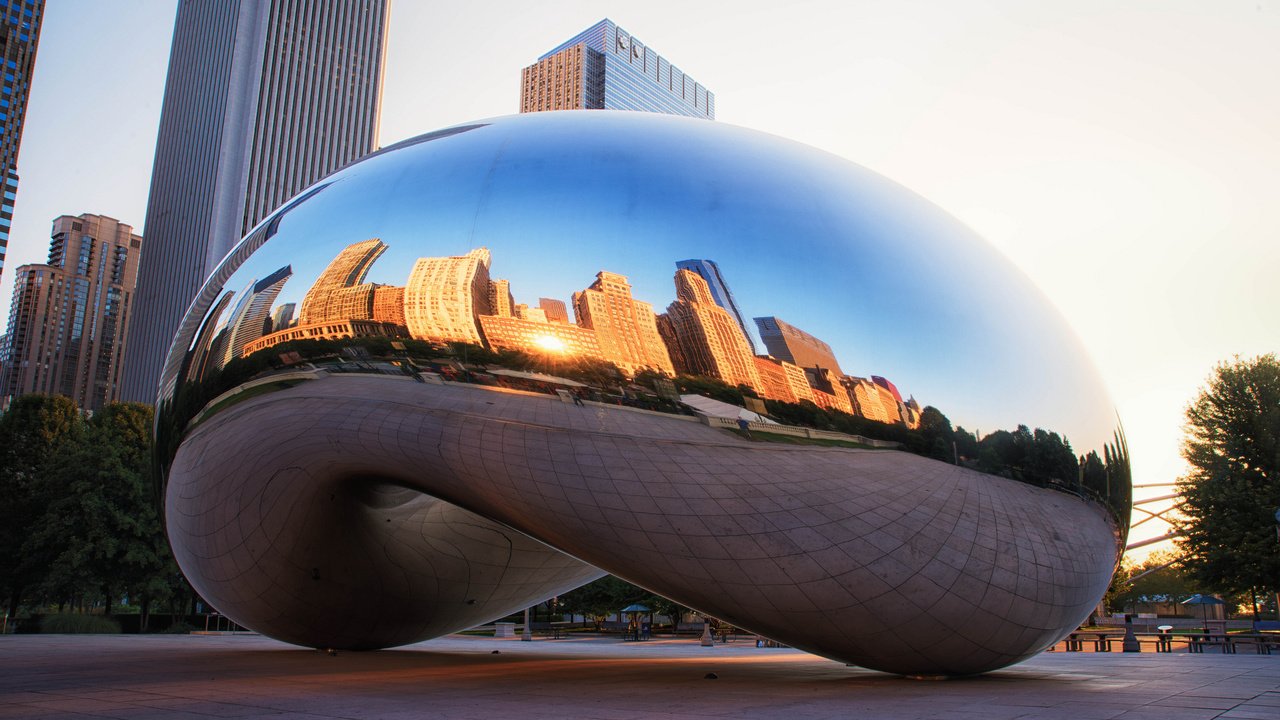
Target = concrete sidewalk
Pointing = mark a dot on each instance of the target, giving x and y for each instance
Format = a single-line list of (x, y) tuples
[(184, 676)]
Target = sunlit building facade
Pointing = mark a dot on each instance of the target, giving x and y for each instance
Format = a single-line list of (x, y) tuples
[(626, 328), (555, 310), (709, 271), (340, 292), (388, 304), (501, 302), (20, 23), (710, 339), (335, 330), (781, 380), (866, 398), (445, 295), (69, 318), (605, 68), (828, 389), (554, 340)]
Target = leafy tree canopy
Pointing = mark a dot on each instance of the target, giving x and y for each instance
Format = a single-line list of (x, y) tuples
[(1232, 491)]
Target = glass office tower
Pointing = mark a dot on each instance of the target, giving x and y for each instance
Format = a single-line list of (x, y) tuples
[(605, 68), (20, 22)]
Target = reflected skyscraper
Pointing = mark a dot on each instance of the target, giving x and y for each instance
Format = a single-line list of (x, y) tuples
[(263, 98), (626, 328), (556, 310), (711, 341), (68, 320), (444, 296), (867, 398), (340, 292), (20, 23), (709, 271), (790, 343), (501, 303), (282, 317), (249, 322), (605, 68), (781, 380)]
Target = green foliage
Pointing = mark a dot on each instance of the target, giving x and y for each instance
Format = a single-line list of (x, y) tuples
[(79, 623), (1232, 492), (1159, 578), (710, 387), (33, 431), (91, 532), (609, 594)]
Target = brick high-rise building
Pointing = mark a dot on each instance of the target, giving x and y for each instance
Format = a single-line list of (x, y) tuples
[(711, 341), (340, 292), (605, 68), (626, 328), (262, 99), (709, 270), (69, 317)]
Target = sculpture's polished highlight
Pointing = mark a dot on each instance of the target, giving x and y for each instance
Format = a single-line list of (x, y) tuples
[(486, 365)]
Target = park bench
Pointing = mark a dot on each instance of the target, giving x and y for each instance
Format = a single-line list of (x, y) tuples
[(1102, 640), (1197, 642), (1261, 642)]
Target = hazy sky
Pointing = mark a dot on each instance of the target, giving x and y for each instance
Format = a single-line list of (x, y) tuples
[(1124, 154)]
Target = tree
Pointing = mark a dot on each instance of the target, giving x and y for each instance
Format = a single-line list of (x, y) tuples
[(1230, 495), (32, 431), (1160, 578), (101, 534)]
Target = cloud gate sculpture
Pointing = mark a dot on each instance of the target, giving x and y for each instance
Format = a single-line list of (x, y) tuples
[(492, 363)]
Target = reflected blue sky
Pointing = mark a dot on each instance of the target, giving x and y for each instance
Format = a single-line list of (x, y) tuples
[(895, 286)]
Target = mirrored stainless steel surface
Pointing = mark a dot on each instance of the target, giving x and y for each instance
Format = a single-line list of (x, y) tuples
[(486, 365)]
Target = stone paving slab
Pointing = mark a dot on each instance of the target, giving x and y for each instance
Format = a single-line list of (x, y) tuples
[(184, 676)]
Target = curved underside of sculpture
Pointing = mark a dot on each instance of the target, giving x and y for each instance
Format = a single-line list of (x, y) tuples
[(391, 511)]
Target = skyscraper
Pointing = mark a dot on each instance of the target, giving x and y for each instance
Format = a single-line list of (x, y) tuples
[(68, 320), (708, 270), (340, 292), (605, 68), (445, 295), (626, 328), (710, 339), (790, 343), (556, 310), (253, 314), (20, 24), (263, 98)]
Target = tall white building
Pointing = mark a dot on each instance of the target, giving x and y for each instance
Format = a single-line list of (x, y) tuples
[(263, 98)]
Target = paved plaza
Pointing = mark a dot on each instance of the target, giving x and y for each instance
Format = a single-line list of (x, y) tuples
[(248, 676)]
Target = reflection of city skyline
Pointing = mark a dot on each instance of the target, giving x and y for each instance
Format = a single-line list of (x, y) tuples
[(455, 299)]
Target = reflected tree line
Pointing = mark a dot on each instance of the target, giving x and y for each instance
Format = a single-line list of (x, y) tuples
[(1038, 457)]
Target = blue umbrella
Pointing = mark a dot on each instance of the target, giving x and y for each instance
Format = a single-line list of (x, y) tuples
[(1202, 601)]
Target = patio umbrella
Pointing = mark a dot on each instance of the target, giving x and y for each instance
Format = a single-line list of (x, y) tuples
[(635, 608), (1203, 601)]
